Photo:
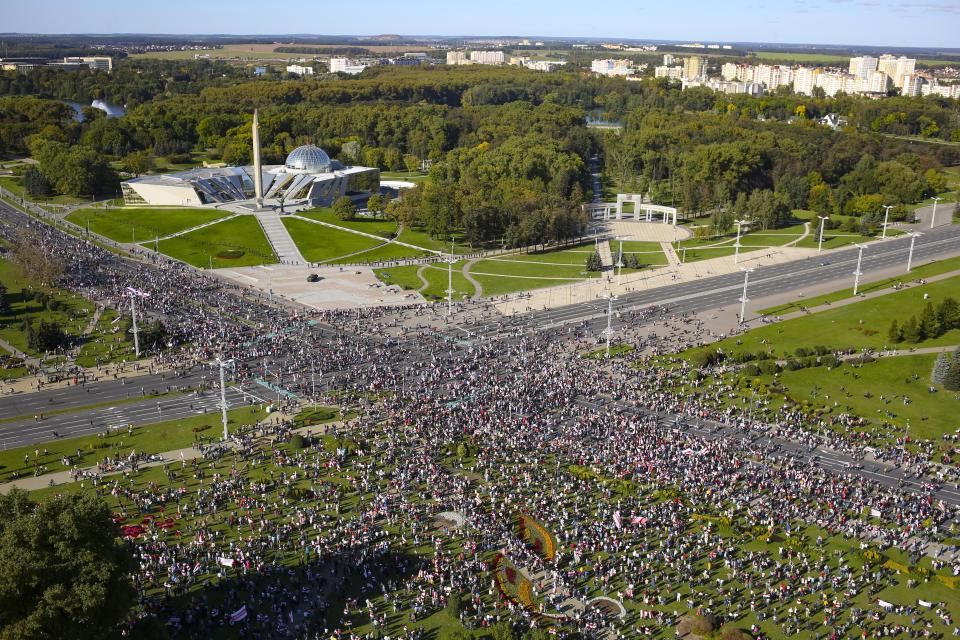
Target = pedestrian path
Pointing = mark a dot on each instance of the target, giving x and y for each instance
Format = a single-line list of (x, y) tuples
[(366, 235), (192, 229), (606, 256), (671, 255), (283, 245)]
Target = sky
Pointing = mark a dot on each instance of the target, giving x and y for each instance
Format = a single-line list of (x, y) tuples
[(900, 23)]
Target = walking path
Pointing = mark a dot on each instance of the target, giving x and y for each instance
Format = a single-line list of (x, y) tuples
[(606, 256), (668, 251), (28, 360), (283, 245), (469, 276), (806, 232), (423, 279), (366, 235)]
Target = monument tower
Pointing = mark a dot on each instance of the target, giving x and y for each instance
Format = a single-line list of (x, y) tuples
[(257, 166)]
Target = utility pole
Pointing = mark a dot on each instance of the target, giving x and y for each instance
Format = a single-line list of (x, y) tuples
[(620, 263), (743, 298), (886, 217), (913, 238), (736, 246), (823, 220), (933, 218), (610, 300), (858, 273), (223, 364), (134, 293)]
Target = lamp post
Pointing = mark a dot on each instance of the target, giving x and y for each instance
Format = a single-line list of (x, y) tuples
[(743, 298), (620, 262), (610, 300), (858, 273), (736, 246), (223, 364), (886, 217), (913, 238), (933, 218), (823, 221)]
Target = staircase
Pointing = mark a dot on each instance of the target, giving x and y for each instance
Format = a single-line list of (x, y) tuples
[(283, 245), (606, 256)]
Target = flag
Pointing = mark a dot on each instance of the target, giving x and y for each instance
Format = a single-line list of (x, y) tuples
[(227, 562), (137, 292), (239, 614), (616, 519)]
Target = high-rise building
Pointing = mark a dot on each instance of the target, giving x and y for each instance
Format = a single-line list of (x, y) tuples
[(896, 68), (457, 57), (694, 67), (672, 73), (612, 67), (729, 71), (861, 67), (668, 59), (805, 79), (487, 57), (912, 84)]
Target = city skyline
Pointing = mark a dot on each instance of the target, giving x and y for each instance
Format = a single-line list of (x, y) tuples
[(828, 22)]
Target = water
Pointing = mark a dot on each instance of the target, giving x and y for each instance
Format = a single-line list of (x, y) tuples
[(112, 110)]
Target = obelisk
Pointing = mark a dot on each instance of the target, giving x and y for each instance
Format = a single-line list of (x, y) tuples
[(257, 166)]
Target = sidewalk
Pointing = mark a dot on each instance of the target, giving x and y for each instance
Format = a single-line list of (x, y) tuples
[(133, 369)]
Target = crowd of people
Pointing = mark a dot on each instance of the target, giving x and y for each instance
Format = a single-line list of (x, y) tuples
[(336, 532)]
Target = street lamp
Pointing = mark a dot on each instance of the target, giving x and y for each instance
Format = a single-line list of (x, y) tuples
[(933, 217), (223, 391), (134, 294), (913, 238), (823, 220), (886, 216), (858, 273), (610, 301), (743, 299), (620, 262), (736, 251), (450, 262)]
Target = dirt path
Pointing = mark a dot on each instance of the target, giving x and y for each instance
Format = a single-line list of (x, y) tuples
[(806, 232), (423, 279)]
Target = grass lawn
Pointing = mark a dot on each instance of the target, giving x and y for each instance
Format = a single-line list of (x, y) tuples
[(14, 185), (421, 238), (860, 325), (318, 243), (133, 224), (696, 249), (152, 438), (73, 313), (858, 389), (383, 253), (922, 271), (376, 226), (106, 343), (436, 275), (525, 271), (649, 253), (408, 176), (238, 242)]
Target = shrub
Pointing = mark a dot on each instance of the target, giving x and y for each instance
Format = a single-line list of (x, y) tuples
[(769, 367), (298, 441)]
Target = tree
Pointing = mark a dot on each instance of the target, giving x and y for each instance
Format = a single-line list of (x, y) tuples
[(894, 334), (344, 208), (593, 262), (46, 336), (929, 322), (138, 163), (63, 573), (411, 162), (948, 312), (951, 381), (911, 330), (941, 368), (4, 300), (36, 183), (30, 255), (376, 204)]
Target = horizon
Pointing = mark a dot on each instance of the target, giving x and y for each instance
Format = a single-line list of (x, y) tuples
[(875, 23)]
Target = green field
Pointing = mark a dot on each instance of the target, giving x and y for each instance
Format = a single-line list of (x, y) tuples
[(215, 244), (918, 272), (134, 224), (860, 325), (375, 226), (152, 438), (876, 390), (526, 271), (318, 243), (648, 253), (841, 60), (436, 274), (695, 249), (384, 253)]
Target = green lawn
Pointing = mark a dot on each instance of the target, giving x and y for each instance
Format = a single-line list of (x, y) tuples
[(859, 325), (919, 272), (106, 343), (133, 224), (151, 438), (526, 271), (318, 243), (695, 249), (383, 253), (436, 275), (376, 226), (14, 185), (73, 312), (649, 253), (857, 390), (238, 242), (421, 238)]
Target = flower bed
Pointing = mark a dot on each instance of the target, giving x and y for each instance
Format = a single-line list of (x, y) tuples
[(537, 536), (513, 585)]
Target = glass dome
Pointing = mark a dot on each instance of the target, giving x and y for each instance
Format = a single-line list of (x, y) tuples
[(309, 159)]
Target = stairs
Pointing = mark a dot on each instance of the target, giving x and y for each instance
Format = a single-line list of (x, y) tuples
[(283, 245), (606, 256)]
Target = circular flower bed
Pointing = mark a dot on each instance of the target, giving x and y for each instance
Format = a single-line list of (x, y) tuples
[(537, 536)]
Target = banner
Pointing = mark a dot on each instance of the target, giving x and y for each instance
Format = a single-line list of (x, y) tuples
[(227, 562), (239, 614)]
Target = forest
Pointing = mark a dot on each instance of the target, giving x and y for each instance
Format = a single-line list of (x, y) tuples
[(508, 148)]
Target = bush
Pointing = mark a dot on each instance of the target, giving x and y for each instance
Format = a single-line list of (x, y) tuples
[(751, 370), (769, 367), (801, 352), (702, 359), (298, 441)]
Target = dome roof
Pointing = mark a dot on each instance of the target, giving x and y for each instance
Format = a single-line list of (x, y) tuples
[(309, 159)]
